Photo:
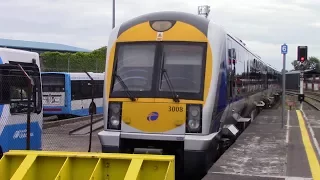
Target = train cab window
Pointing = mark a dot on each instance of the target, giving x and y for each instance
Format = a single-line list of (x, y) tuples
[(4, 89), (14, 88), (53, 83), (18, 95), (184, 66), (134, 66)]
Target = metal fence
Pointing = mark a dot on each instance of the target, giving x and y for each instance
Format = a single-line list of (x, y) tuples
[(23, 124), (59, 64), (71, 132)]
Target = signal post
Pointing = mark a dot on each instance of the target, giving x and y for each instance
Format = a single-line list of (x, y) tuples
[(302, 58)]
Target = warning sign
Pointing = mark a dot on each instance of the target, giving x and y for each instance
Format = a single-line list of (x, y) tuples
[(159, 36)]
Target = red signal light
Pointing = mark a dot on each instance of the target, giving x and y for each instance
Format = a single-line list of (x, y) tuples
[(302, 53)]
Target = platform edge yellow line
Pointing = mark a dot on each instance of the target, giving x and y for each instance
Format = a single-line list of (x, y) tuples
[(311, 155)]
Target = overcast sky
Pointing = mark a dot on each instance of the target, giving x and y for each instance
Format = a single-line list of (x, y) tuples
[(262, 24)]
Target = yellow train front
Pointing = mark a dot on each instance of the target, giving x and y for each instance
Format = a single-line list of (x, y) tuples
[(158, 76)]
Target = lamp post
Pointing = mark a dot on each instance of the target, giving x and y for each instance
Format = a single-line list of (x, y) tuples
[(204, 10), (113, 13)]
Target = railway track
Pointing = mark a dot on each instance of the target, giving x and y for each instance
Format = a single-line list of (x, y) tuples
[(311, 98), (50, 118), (49, 124)]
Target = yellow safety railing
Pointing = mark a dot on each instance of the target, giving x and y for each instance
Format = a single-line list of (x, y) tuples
[(47, 165)]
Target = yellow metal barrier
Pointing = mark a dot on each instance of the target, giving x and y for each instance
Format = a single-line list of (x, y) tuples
[(47, 165)]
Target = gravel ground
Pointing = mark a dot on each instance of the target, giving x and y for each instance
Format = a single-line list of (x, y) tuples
[(58, 139)]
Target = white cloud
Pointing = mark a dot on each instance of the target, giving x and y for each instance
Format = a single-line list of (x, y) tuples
[(264, 25), (315, 24)]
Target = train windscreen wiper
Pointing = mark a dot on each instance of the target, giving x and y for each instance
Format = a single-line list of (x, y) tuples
[(125, 87), (175, 96)]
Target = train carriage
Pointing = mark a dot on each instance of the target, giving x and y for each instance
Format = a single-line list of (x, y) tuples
[(177, 83), (14, 99), (69, 93)]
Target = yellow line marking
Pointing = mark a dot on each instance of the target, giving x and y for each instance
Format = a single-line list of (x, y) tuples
[(312, 158)]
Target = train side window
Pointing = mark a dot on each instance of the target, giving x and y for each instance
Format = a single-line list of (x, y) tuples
[(230, 69), (239, 69), (86, 90), (82, 89), (98, 89), (247, 83), (75, 92)]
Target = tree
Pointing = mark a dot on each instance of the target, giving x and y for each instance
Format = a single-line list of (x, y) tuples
[(311, 63)]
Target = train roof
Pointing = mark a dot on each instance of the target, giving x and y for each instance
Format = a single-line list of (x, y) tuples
[(199, 22), (16, 55), (58, 72), (80, 75)]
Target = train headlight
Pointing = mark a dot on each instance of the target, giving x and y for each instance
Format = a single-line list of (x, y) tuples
[(194, 112), (194, 119), (161, 26), (114, 121), (193, 124), (114, 115), (115, 109)]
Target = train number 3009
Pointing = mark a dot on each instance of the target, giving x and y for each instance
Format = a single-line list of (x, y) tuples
[(175, 109)]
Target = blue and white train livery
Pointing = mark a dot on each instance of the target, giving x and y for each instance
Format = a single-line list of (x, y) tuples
[(69, 94), (14, 101)]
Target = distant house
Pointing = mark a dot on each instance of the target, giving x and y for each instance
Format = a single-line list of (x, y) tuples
[(39, 47)]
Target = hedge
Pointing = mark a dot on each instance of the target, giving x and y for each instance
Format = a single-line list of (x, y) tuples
[(90, 61)]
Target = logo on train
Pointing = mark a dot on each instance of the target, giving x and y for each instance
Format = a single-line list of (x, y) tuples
[(152, 116), (20, 134)]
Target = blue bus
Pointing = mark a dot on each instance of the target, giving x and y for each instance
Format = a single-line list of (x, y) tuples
[(69, 94), (14, 100)]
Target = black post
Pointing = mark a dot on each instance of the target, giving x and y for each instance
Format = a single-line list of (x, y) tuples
[(113, 13), (91, 109), (28, 114), (30, 85)]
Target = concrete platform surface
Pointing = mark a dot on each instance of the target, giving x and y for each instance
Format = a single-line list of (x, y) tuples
[(267, 151)]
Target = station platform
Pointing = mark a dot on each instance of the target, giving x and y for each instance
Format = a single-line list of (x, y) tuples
[(266, 150)]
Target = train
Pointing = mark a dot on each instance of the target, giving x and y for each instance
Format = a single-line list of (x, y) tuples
[(69, 94), (178, 83), (16, 67)]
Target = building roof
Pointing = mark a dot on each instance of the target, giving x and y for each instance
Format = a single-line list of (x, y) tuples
[(39, 45)]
